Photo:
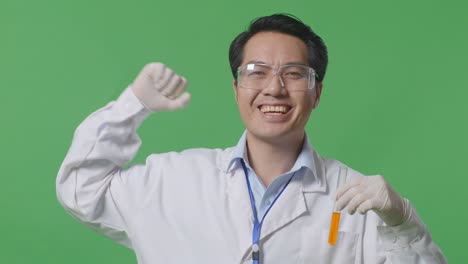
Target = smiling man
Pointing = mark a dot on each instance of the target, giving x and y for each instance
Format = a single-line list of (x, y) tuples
[(276, 91), (267, 200)]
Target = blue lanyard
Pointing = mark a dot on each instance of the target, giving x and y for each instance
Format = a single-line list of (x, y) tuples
[(258, 225)]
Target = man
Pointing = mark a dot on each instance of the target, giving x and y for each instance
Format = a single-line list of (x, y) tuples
[(267, 200)]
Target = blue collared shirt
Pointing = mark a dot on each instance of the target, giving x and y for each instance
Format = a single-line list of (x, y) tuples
[(264, 196)]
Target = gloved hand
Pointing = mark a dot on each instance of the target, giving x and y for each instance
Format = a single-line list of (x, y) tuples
[(373, 193), (159, 89)]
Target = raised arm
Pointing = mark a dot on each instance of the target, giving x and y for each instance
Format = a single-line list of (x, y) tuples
[(91, 184)]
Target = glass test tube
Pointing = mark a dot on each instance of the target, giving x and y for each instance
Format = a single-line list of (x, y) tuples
[(336, 215)]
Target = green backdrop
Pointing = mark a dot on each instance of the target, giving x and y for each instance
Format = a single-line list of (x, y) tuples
[(393, 101)]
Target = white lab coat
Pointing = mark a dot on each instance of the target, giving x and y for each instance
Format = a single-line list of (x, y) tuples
[(189, 207)]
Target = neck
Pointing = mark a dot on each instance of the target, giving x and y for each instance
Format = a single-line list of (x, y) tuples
[(270, 159)]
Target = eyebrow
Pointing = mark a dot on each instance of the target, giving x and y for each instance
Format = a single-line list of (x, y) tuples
[(297, 63), (288, 63), (255, 61)]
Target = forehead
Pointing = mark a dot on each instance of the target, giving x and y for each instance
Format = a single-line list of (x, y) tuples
[(275, 48)]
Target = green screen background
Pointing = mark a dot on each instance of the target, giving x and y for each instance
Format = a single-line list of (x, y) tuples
[(393, 101)]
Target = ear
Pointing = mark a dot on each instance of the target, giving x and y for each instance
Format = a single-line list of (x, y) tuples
[(234, 87), (318, 93)]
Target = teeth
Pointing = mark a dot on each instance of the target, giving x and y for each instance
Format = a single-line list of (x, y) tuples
[(273, 109)]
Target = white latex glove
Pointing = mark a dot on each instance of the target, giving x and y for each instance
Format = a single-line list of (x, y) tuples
[(373, 193), (159, 89)]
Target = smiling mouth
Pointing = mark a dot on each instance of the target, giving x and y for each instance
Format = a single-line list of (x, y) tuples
[(274, 109)]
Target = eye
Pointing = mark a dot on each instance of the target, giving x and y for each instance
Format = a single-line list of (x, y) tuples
[(294, 74), (256, 73)]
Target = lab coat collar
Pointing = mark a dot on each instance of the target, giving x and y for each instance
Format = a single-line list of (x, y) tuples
[(291, 204), (314, 174)]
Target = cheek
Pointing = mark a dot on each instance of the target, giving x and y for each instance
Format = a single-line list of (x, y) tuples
[(306, 102), (306, 106), (243, 107), (245, 101)]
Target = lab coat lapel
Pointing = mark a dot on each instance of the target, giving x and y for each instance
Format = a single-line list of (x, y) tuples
[(240, 212), (292, 204), (289, 206)]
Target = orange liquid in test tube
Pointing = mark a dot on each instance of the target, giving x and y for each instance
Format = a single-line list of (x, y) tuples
[(335, 223), (336, 215)]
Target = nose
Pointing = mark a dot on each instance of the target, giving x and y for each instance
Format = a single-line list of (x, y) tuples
[(276, 87)]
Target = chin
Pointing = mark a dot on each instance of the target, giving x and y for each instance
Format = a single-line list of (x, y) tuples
[(275, 134)]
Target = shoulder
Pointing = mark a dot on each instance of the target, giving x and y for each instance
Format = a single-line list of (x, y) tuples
[(194, 157), (334, 167)]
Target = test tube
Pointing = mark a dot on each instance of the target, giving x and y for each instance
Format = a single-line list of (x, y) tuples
[(336, 215)]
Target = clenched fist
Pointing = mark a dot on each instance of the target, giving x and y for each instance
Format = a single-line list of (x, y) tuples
[(159, 89)]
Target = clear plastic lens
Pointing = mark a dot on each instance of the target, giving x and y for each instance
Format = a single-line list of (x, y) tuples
[(260, 76)]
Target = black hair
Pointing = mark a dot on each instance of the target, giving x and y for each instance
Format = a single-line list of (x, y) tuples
[(287, 24)]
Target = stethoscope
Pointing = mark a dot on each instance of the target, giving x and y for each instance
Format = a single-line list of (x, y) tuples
[(258, 225)]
